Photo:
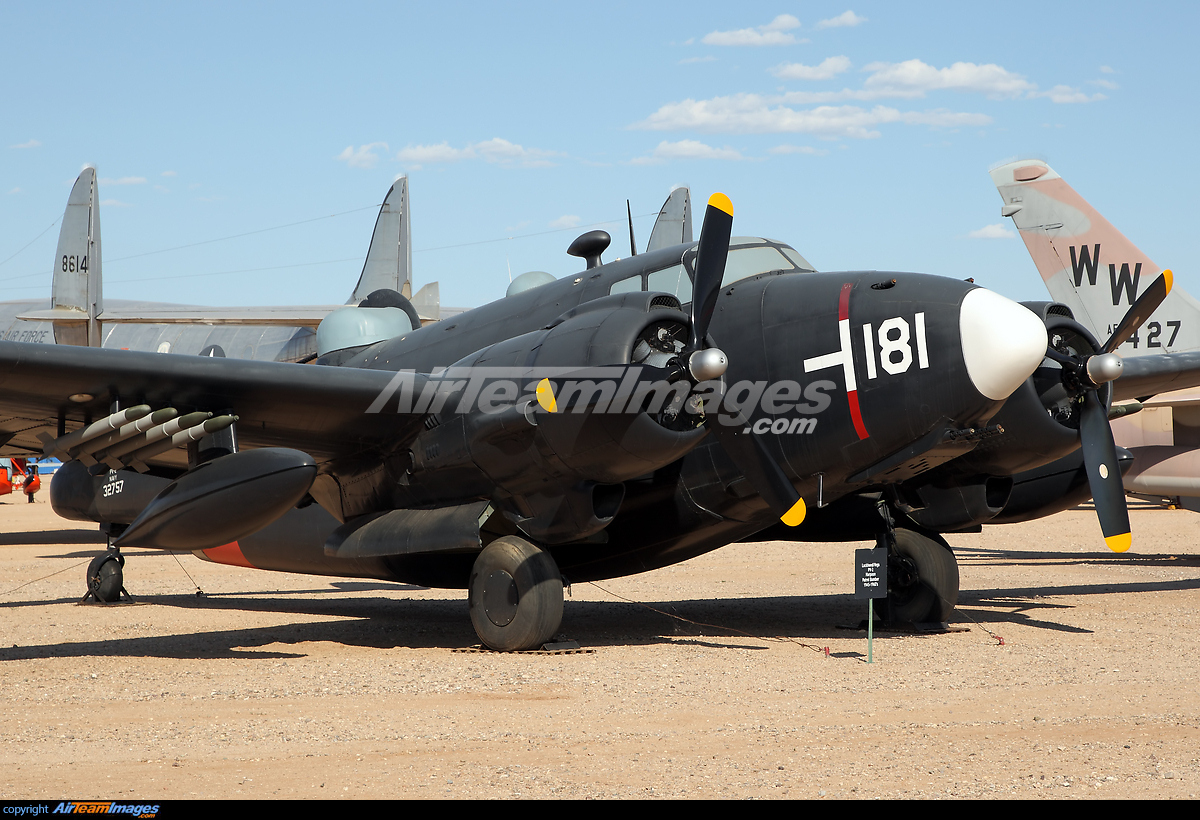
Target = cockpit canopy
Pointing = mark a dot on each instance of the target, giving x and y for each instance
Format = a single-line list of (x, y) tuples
[(748, 256)]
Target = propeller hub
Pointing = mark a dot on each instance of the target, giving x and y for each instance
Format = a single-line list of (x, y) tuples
[(708, 364), (1104, 367)]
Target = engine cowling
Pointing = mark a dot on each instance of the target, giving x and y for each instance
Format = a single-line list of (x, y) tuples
[(555, 466)]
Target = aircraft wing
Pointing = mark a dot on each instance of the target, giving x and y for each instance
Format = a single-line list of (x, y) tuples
[(331, 413), (1150, 375), (287, 315)]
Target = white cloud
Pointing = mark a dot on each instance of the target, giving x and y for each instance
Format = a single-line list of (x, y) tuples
[(566, 221), (755, 114), (846, 18), (1066, 94), (828, 68), (495, 150), (913, 78), (363, 157), (15, 191), (686, 149), (774, 33), (997, 231), (1104, 69), (30, 144), (706, 59), (169, 174), (1109, 84), (123, 181)]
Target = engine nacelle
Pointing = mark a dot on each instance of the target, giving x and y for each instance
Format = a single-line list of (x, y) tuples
[(548, 468)]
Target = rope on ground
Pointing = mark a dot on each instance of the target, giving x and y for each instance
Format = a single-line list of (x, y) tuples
[(44, 577), (775, 639)]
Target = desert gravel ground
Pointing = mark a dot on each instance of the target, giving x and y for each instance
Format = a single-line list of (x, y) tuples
[(273, 685)]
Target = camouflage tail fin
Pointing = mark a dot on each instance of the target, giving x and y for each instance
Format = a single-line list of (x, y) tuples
[(389, 258), (77, 291), (1087, 263)]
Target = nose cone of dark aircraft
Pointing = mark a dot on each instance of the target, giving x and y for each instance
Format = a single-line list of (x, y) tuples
[(1002, 342)]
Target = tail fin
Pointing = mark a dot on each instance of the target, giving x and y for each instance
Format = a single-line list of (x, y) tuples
[(1088, 264), (389, 259), (428, 302), (77, 292), (674, 223)]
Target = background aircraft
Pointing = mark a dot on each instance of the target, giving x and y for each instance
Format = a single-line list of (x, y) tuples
[(592, 427), (77, 314), (1090, 266)]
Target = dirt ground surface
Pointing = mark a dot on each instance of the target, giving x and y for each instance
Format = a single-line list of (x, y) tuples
[(274, 685)]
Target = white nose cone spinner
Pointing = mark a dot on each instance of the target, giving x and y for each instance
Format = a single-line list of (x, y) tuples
[(1002, 342)]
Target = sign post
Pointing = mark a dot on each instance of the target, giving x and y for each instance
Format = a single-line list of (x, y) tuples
[(870, 582)]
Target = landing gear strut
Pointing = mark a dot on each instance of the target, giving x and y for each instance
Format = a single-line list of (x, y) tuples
[(516, 595), (106, 578)]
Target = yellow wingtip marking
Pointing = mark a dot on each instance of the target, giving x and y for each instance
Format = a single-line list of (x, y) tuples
[(1170, 277), (545, 396), (1119, 543), (721, 203), (795, 515)]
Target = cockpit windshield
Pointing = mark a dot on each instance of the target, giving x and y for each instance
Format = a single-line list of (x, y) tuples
[(748, 256)]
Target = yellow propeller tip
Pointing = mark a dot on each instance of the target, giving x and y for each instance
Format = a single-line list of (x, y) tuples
[(1119, 543), (1170, 278), (795, 515), (721, 203), (545, 396)]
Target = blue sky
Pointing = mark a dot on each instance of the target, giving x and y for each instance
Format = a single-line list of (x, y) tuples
[(860, 133)]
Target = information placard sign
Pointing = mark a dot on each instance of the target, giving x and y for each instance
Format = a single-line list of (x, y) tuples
[(870, 573)]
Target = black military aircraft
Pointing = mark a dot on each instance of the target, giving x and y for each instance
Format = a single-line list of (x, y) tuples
[(632, 416)]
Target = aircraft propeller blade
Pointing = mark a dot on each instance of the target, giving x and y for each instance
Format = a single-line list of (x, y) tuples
[(1099, 450), (1139, 311), (745, 450), (1104, 474), (762, 471), (711, 253)]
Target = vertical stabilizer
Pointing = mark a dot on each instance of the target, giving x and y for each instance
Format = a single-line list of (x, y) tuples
[(1088, 264), (389, 259), (76, 293), (428, 303), (674, 223)]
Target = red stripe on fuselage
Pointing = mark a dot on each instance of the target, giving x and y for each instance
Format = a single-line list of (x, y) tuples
[(856, 416), (860, 426)]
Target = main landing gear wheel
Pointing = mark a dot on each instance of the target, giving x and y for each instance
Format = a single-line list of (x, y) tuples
[(516, 595), (106, 578), (922, 579)]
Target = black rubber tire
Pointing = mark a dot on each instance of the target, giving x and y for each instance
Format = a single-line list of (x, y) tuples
[(922, 579), (105, 578), (515, 595)]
